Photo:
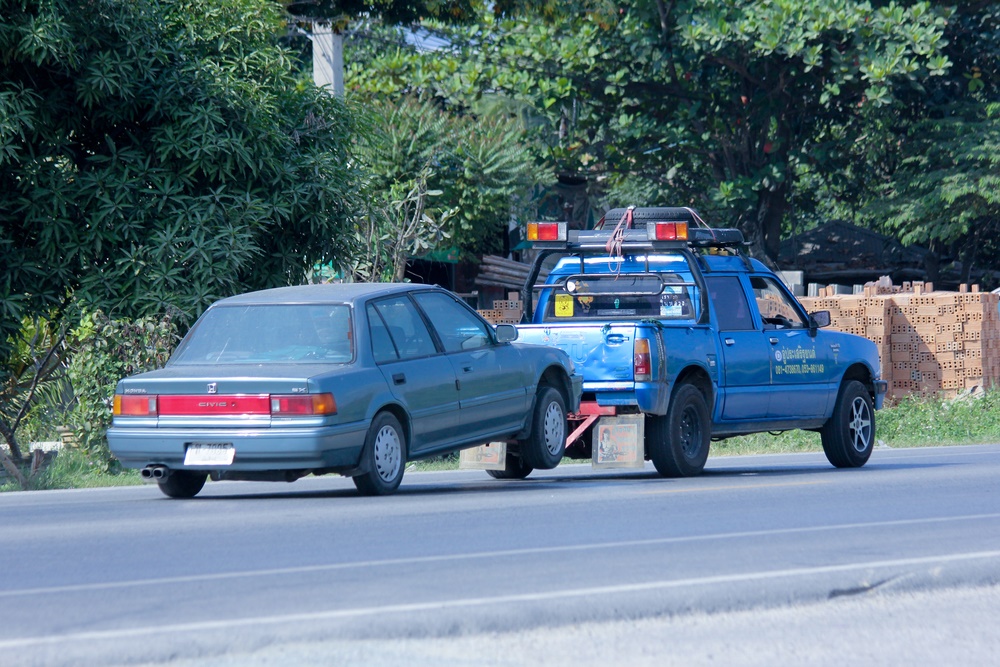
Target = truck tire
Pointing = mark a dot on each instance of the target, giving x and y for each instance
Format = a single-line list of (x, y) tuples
[(515, 468), (183, 483), (849, 435), (678, 442), (544, 448)]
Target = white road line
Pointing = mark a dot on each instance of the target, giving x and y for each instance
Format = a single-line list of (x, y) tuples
[(444, 558), (344, 614)]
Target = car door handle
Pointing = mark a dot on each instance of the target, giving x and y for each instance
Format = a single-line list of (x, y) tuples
[(399, 378), (773, 341), (467, 369), (730, 341)]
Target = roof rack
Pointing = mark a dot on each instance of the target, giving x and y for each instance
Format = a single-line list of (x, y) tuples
[(639, 239), (632, 228)]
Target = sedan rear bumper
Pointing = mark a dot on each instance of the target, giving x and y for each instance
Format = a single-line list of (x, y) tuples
[(257, 450)]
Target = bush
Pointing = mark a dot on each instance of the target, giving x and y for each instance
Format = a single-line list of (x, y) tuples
[(108, 350)]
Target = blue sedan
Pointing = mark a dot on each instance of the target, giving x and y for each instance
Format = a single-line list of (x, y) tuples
[(355, 379)]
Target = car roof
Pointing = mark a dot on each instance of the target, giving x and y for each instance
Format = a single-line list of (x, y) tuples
[(323, 293)]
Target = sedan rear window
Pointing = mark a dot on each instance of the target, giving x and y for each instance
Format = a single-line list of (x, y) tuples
[(269, 334)]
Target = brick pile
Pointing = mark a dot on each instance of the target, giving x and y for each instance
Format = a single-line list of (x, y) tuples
[(931, 343), (505, 311)]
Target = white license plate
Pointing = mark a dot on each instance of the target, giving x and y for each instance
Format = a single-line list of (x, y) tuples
[(209, 454)]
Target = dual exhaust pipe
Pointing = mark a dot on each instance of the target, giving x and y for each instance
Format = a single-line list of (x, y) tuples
[(154, 473)]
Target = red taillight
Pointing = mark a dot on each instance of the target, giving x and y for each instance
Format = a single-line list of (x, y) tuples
[(667, 231), (304, 404), (229, 405), (641, 366), (209, 405), (134, 406), (546, 231)]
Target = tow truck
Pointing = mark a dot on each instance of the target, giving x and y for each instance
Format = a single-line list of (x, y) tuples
[(683, 339)]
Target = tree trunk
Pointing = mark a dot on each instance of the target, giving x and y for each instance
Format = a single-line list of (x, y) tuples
[(11, 438)]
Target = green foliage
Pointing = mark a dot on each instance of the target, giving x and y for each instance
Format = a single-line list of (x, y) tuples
[(966, 420), (36, 361), (476, 168), (106, 351), (160, 154), (720, 104), (74, 469)]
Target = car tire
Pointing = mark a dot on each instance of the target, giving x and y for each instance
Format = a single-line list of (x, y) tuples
[(544, 448), (514, 468), (384, 457), (849, 435), (182, 483), (678, 442)]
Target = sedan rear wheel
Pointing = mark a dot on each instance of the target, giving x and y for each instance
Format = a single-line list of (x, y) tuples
[(183, 483), (384, 457)]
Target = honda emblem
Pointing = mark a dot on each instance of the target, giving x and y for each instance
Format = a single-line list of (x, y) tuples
[(213, 387)]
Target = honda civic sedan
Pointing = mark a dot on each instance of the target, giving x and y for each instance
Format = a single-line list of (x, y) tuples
[(355, 379)]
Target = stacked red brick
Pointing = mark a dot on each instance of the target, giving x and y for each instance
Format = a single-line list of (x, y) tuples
[(507, 311), (930, 343)]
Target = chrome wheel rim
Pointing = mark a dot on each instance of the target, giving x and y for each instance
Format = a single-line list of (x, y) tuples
[(860, 425), (388, 453)]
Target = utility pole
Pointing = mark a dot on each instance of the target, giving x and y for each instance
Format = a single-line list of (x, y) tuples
[(328, 56)]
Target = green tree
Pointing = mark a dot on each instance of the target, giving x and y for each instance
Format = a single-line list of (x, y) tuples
[(934, 179), (159, 154), (476, 168), (720, 103)]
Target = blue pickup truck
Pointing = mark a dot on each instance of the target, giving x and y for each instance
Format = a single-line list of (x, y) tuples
[(683, 339)]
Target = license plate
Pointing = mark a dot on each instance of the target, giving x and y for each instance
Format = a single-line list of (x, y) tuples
[(209, 454)]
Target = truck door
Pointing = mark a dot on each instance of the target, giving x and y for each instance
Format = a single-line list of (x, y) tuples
[(803, 372), (745, 367)]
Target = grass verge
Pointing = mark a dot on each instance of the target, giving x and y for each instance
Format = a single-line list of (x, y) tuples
[(910, 423)]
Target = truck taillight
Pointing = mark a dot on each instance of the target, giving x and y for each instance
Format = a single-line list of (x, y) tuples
[(546, 231), (303, 404), (642, 366), (667, 231), (134, 406)]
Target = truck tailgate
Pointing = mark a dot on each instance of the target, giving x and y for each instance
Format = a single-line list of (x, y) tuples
[(603, 352)]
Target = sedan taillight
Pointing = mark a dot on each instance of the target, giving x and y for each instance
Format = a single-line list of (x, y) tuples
[(303, 404), (239, 405), (134, 406)]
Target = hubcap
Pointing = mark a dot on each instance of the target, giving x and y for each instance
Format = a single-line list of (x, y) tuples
[(554, 428), (388, 453), (860, 425)]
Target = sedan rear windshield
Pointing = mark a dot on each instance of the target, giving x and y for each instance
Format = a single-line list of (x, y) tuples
[(269, 334)]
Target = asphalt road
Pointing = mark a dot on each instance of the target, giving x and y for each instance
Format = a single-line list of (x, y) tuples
[(737, 565)]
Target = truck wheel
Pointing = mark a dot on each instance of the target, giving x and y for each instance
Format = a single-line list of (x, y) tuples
[(182, 483), (544, 448), (515, 468), (385, 455), (678, 441), (849, 435)]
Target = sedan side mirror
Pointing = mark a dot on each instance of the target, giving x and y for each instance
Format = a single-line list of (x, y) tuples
[(506, 333)]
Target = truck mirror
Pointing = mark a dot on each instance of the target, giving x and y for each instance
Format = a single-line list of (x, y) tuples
[(819, 319)]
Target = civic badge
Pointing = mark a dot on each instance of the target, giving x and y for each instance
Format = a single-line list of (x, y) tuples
[(213, 387)]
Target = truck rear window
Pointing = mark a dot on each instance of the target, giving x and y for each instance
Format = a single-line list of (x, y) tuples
[(610, 297)]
